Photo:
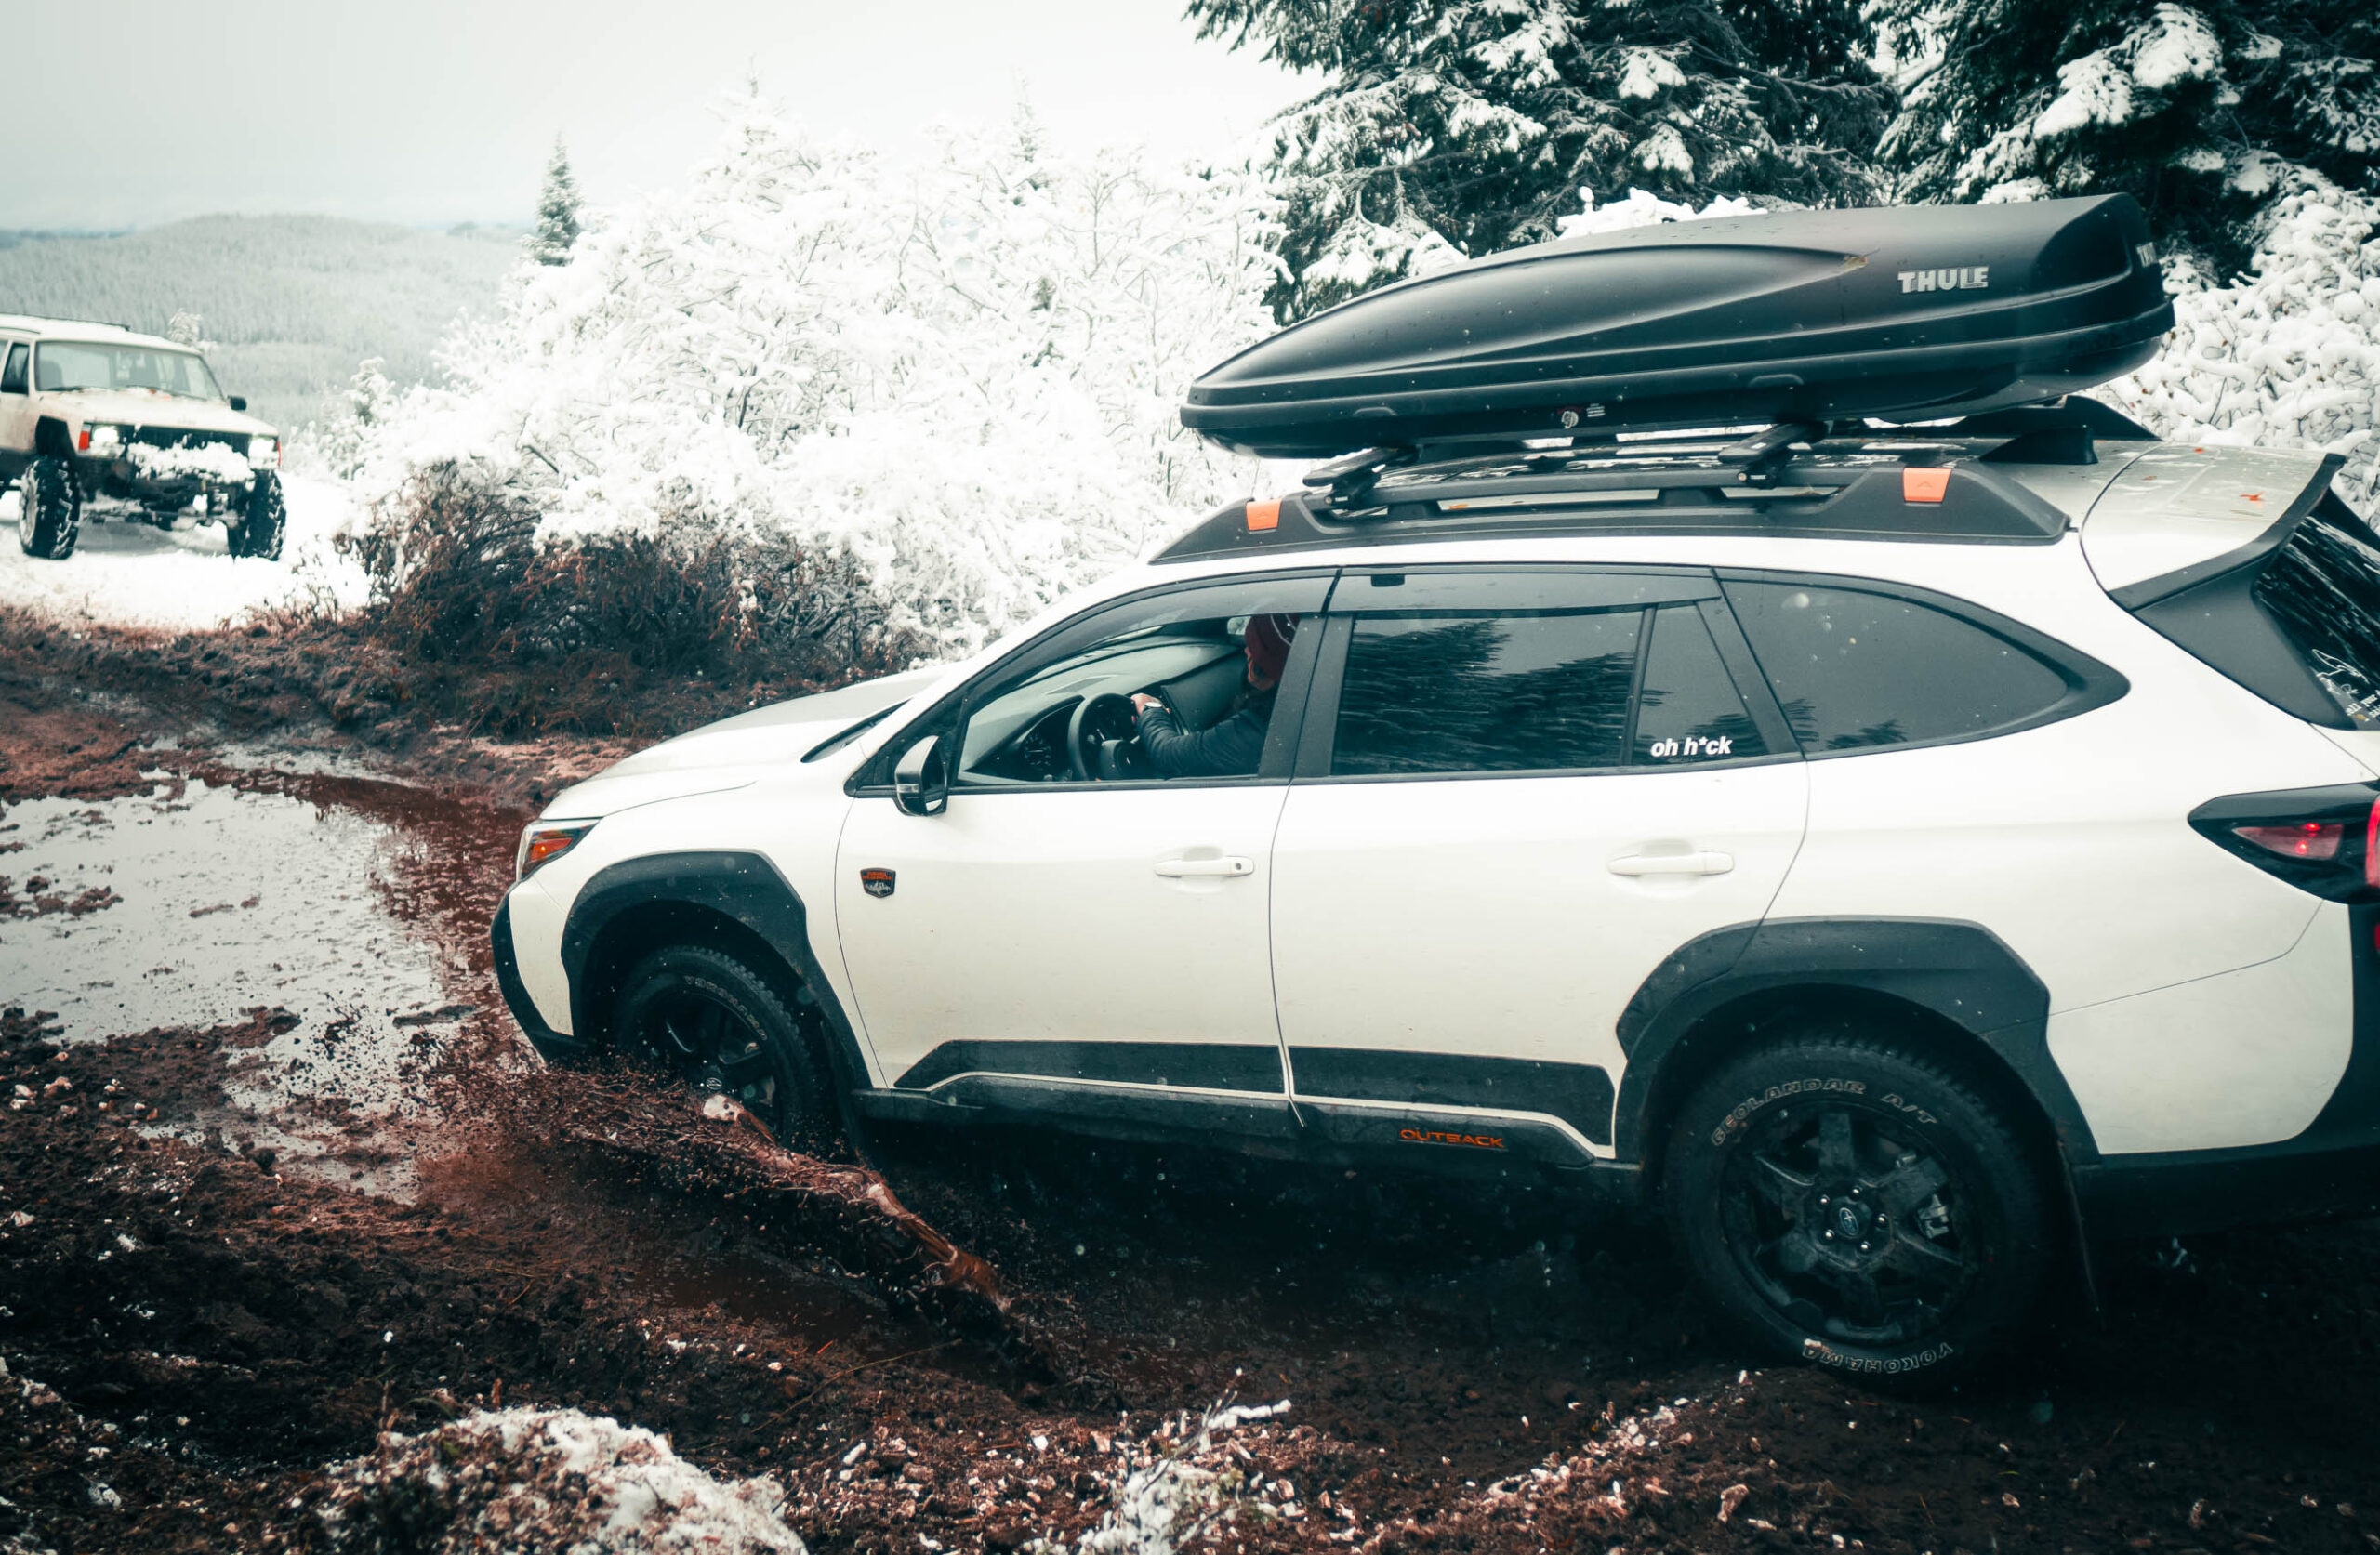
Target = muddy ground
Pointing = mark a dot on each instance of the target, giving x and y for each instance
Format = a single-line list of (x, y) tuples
[(237, 1243)]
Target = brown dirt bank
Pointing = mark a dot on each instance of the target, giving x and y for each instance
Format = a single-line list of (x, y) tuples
[(87, 697)]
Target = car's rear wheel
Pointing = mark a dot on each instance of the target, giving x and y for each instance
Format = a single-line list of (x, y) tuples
[(714, 1022), (49, 509), (262, 520), (1849, 1204)]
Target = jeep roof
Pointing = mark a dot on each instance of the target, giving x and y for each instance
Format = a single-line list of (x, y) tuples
[(84, 329)]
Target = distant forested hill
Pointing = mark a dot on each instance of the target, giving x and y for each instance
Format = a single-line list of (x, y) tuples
[(294, 302)]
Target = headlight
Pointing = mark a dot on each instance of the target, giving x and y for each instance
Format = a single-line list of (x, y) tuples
[(102, 438), (264, 452), (544, 842)]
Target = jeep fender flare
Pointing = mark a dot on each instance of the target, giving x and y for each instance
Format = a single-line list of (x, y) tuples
[(1958, 971), (744, 888)]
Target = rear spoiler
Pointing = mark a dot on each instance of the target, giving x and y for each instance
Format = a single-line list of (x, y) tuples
[(2148, 591)]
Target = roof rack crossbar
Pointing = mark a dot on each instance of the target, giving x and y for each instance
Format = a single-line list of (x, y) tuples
[(1765, 453), (1351, 477)]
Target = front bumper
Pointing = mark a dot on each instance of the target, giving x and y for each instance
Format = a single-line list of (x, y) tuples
[(551, 1044)]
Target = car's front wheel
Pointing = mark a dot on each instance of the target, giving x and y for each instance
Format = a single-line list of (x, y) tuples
[(49, 509), (263, 518), (717, 1023), (1849, 1204)]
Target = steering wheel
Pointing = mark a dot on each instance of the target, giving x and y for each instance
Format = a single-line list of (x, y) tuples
[(1096, 719)]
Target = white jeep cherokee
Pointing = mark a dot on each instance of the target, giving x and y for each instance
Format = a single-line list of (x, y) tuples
[(95, 417), (1899, 865)]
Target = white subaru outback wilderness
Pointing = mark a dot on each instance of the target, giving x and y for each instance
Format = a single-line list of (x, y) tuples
[(95, 419), (1900, 857)]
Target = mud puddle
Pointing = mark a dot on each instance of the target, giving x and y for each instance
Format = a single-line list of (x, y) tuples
[(1473, 1370)]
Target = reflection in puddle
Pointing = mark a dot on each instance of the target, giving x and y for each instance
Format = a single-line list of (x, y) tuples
[(220, 902)]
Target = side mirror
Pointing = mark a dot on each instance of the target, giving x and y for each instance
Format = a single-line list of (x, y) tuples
[(239, 402), (921, 779)]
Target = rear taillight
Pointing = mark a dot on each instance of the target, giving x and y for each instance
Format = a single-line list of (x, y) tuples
[(2326, 840)]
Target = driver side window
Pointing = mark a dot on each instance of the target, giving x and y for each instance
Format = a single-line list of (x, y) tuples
[(1060, 711)]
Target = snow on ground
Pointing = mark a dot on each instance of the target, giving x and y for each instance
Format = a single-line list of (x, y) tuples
[(131, 575), (546, 1478)]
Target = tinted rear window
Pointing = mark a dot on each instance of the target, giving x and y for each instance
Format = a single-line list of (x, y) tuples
[(2324, 589), (1688, 711), (1511, 691), (1855, 669)]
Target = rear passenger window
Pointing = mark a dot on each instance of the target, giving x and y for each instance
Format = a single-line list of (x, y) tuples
[(1688, 711), (1855, 669), (1507, 692)]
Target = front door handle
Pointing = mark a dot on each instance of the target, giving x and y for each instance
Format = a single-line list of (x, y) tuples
[(1674, 863), (1177, 869)]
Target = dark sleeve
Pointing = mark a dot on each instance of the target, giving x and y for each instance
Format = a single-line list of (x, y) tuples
[(1233, 748)]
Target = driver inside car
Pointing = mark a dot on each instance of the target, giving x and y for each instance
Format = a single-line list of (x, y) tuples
[(1236, 743)]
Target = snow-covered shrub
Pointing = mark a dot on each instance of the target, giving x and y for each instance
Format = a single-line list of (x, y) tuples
[(2287, 356), (960, 375), (507, 634), (541, 1480)]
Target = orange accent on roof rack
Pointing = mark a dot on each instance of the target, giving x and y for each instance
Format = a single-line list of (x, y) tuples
[(1924, 485), (1264, 515)]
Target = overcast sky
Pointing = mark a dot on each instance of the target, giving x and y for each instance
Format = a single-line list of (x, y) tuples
[(139, 112)]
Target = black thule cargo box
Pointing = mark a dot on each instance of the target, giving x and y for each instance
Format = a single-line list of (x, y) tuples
[(1903, 314)]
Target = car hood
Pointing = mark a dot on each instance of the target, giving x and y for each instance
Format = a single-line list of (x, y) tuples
[(141, 407), (733, 752)]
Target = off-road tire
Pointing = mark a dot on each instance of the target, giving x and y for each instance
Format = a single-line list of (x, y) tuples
[(764, 1057), (49, 509), (1798, 1183), (267, 515)]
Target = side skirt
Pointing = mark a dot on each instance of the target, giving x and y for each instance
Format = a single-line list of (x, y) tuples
[(1421, 1140)]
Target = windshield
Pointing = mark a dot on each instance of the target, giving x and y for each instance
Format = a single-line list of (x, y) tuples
[(62, 366)]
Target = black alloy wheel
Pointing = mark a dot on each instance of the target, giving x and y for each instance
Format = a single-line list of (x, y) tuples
[(1858, 1207), (719, 1025)]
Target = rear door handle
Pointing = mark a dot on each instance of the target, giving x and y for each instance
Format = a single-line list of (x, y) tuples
[(1176, 869), (1674, 863)]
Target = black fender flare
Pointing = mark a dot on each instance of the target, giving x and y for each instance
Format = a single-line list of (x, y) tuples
[(1958, 970), (744, 888), (50, 438)]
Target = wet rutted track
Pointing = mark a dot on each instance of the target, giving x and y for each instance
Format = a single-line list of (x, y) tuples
[(301, 1200)]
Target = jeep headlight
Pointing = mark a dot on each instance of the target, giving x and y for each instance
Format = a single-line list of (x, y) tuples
[(264, 452), (103, 439)]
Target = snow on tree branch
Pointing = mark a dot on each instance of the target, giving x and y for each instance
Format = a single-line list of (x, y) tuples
[(963, 374)]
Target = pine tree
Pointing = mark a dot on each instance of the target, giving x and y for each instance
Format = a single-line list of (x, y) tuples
[(557, 227), (2208, 113), (1448, 128)]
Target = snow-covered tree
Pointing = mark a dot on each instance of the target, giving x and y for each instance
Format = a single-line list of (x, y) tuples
[(557, 230), (2208, 113), (353, 418), (1448, 128), (2289, 355), (185, 328), (960, 375)]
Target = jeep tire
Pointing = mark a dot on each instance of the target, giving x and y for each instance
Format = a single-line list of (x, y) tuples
[(50, 511), (265, 516), (1847, 1204), (717, 1022)]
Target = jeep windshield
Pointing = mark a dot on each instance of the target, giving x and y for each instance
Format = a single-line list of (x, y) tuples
[(65, 366)]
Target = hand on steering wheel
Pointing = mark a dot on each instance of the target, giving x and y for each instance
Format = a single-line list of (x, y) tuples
[(1096, 720)]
